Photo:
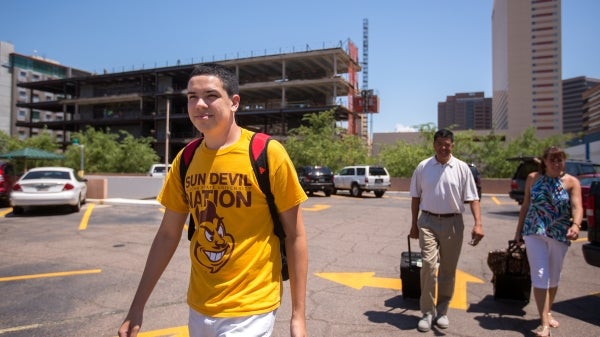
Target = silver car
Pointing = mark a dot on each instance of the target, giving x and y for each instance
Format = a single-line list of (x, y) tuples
[(48, 186)]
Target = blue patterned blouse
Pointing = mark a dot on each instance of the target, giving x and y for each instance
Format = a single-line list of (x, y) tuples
[(549, 212)]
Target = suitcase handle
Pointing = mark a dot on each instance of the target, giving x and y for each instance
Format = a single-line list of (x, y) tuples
[(409, 250)]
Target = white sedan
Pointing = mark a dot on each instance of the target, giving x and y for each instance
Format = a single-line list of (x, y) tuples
[(48, 186)]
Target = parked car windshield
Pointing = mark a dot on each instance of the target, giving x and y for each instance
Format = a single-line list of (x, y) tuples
[(579, 169), (47, 175), (321, 171)]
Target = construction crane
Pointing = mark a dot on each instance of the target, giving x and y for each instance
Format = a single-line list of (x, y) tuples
[(366, 93)]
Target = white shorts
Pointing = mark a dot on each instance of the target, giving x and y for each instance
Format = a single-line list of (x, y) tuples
[(546, 258), (247, 326)]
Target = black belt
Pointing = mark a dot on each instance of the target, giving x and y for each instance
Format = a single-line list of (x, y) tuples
[(445, 215)]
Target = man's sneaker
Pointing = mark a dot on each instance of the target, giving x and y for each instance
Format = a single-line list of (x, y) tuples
[(442, 322), (425, 323)]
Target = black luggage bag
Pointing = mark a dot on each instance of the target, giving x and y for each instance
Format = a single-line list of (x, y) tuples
[(512, 279), (410, 273)]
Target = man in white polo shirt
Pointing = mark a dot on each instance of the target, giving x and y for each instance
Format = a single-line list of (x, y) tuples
[(440, 187)]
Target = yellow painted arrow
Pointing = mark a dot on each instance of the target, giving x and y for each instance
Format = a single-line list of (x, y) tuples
[(459, 300), (360, 280), (180, 331), (368, 279)]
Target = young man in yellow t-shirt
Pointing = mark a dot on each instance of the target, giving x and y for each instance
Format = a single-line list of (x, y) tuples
[(235, 282)]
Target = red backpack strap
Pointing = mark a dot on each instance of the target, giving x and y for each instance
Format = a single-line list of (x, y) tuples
[(186, 159), (258, 157), (190, 149)]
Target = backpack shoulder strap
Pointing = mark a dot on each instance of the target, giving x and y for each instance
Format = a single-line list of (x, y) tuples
[(186, 159), (260, 165)]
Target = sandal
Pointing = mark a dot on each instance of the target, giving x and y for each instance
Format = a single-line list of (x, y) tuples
[(543, 331), (552, 322)]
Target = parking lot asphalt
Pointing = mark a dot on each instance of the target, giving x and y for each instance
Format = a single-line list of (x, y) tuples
[(65, 274)]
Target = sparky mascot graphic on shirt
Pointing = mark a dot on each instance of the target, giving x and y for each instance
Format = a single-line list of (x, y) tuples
[(214, 245)]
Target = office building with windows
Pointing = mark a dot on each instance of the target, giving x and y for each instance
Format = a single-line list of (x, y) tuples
[(466, 111), (573, 101), (526, 67)]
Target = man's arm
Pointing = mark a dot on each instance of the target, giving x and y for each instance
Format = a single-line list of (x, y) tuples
[(414, 209), (477, 232), (297, 255), (163, 247)]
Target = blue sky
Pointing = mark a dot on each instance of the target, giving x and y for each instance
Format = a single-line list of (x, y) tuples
[(419, 51)]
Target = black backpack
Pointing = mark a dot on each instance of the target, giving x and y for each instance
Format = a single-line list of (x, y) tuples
[(258, 158)]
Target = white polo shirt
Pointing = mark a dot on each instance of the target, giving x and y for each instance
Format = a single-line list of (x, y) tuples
[(443, 188)]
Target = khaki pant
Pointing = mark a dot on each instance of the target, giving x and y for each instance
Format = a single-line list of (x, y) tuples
[(443, 237)]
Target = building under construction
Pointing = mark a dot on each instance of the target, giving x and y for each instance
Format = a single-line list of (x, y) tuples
[(276, 92)]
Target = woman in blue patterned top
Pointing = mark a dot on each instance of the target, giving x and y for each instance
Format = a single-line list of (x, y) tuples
[(550, 218)]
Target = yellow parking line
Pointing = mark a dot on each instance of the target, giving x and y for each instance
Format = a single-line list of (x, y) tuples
[(6, 211), (86, 217), (316, 208), (66, 273), (496, 200)]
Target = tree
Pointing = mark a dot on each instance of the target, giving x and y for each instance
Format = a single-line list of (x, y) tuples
[(489, 152), (111, 152), (320, 142), (8, 143)]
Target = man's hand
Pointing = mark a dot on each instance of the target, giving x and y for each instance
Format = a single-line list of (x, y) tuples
[(476, 234), (131, 326), (127, 331), (298, 327), (414, 232)]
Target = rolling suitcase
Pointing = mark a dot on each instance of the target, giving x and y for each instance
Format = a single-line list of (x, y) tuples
[(512, 279), (410, 273)]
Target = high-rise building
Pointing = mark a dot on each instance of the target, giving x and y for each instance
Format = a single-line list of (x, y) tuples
[(5, 86), (466, 111), (573, 89), (591, 111), (527, 75)]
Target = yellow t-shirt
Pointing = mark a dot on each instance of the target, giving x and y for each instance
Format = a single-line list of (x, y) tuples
[(236, 263)]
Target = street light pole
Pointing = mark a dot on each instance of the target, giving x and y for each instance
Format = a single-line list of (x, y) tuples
[(81, 155)]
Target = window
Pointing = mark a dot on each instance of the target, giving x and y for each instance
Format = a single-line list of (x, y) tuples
[(21, 115), (35, 116)]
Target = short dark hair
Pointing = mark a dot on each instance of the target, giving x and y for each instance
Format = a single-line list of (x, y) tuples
[(227, 76), (444, 133)]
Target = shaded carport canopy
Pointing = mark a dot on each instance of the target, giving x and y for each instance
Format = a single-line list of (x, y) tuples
[(31, 153)]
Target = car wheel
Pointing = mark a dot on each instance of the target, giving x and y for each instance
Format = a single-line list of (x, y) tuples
[(334, 191), (327, 193), (355, 191), (18, 210), (77, 207), (379, 194), (310, 193)]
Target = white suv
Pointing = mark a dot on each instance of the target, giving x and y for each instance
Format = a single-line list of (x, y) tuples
[(158, 170), (362, 178)]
